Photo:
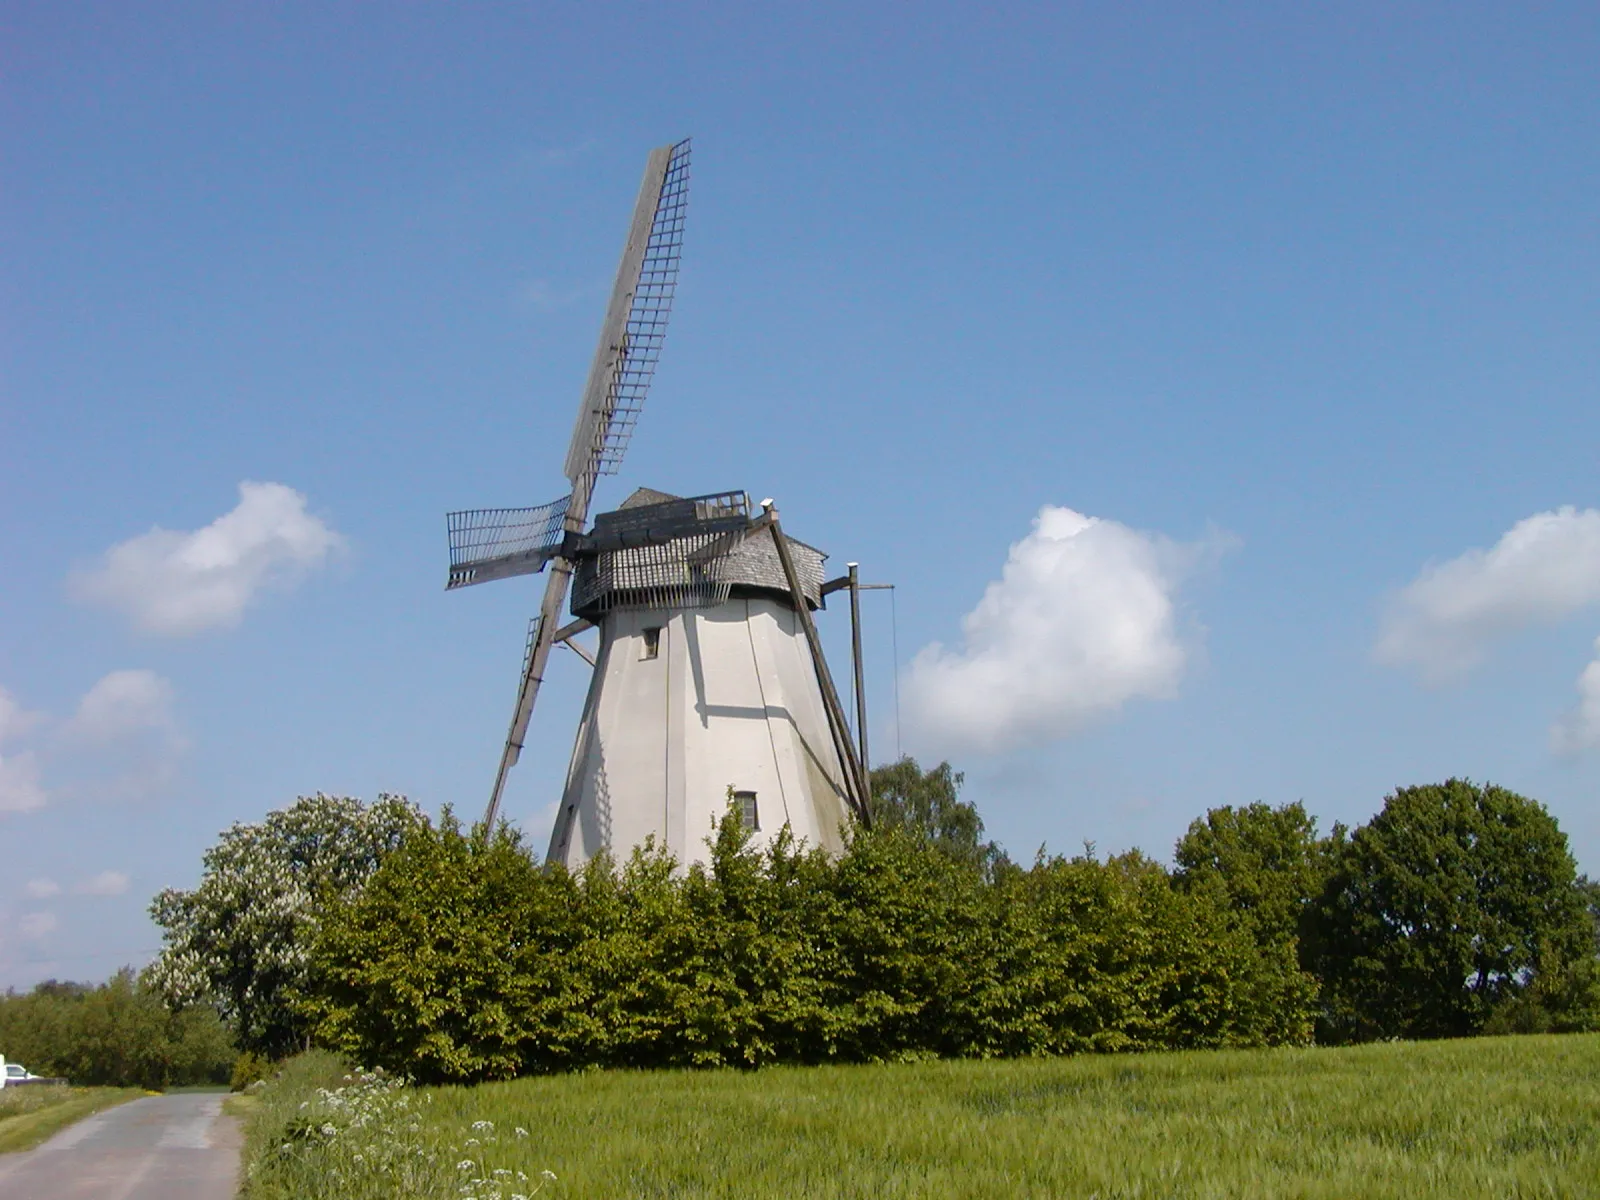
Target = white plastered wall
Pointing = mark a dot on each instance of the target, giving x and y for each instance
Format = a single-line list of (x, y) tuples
[(729, 700)]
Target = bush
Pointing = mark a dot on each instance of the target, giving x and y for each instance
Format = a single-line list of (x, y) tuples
[(248, 1068), (461, 960)]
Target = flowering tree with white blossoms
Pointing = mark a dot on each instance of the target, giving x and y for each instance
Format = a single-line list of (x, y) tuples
[(241, 939)]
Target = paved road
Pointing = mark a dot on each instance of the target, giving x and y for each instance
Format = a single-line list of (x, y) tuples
[(154, 1148)]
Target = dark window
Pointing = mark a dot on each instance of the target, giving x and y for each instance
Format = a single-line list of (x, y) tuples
[(652, 643), (748, 813)]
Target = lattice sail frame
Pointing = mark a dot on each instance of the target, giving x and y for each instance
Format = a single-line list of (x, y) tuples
[(645, 329), (493, 543)]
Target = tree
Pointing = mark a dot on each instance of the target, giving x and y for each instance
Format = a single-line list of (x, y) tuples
[(116, 1034), (1268, 862), (926, 805), (1454, 901), (240, 940)]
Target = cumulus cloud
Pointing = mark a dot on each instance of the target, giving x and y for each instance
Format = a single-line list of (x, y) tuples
[(1579, 730), (123, 741), (20, 786), (176, 583), (15, 721), (1545, 568), (37, 925), (1083, 619), (121, 705), (107, 883), (42, 889)]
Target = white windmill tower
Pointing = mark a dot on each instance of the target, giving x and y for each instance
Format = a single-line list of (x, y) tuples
[(709, 680)]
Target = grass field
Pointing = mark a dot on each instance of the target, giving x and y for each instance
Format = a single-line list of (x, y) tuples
[(1502, 1117), (29, 1115)]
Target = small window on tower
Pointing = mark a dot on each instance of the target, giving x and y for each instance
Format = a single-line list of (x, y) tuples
[(748, 813), (652, 643)]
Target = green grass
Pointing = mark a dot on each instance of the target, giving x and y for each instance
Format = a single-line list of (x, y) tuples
[(1492, 1117), (29, 1115)]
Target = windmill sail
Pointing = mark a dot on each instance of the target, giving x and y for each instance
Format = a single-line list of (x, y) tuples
[(631, 337), (636, 320), (497, 543)]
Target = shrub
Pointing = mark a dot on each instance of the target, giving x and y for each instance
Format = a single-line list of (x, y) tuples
[(461, 960), (248, 1068)]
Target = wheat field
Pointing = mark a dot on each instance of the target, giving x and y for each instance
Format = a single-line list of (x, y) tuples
[(1489, 1117)]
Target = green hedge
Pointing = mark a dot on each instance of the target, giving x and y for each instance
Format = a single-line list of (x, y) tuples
[(462, 960)]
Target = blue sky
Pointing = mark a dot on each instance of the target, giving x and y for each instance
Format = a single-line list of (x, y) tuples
[(1303, 308)]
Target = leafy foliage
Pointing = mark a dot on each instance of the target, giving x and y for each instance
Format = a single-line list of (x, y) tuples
[(927, 804), (115, 1034), (460, 960), (239, 941), (1453, 902), (449, 955), (1269, 863)]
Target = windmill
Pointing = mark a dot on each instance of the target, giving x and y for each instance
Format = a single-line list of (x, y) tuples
[(709, 683)]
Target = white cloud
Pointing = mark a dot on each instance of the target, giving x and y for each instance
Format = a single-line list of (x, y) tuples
[(125, 741), (122, 704), (1082, 620), (20, 787), (42, 889), (1546, 567), (37, 925), (180, 583), (107, 883), (1579, 730), (15, 721), (122, 742)]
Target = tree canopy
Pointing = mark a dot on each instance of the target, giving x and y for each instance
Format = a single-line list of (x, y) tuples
[(1269, 862), (240, 939), (927, 805), (1455, 900), (114, 1034), (452, 955)]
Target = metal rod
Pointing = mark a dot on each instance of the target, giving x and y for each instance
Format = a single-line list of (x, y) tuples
[(830, 697), (861, 686)]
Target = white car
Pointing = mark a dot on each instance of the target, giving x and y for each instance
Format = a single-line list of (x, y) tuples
[(16, 1073)]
